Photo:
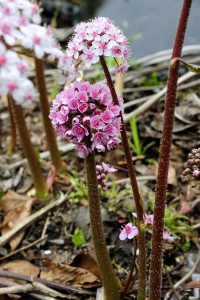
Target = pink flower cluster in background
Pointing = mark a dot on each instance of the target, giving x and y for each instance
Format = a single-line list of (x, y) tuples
[(84, 114), (101, 172), (98, 37), (19, 25), (13, 74)]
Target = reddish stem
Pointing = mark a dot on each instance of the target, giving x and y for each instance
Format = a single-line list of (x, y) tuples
[(136, 194), (164, 159)]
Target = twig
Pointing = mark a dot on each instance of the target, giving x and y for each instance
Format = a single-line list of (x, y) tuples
[(7, 283), (30, 220), (63, 149), (187, 276), (24, 247), (54, 285), (34, 286), (138, 111), (171, 284)]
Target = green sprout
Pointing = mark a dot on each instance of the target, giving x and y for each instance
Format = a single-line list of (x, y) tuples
[(78, 237), (137, 145)]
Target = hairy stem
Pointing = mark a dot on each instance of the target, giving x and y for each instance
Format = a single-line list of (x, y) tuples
[(38, 179), (108, 277), (136, 194), (13, 134), (164, 159), (44, 105)]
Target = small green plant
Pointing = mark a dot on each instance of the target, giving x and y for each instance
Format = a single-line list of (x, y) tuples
[(137, 145), (80, 191), (152, 81), (78, 237), (175, 222)]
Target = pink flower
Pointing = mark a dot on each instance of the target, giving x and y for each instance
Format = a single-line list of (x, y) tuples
[(167, 237), (129, 231), (196, 173), (79, 131), (107, 116), (96, 123), (121, 69), (89, 56), (107, 168), (148, 219)]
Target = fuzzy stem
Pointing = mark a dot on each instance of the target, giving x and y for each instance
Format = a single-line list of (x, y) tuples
[(136, 194), (12, 128), (164, 159), (38, 179), (44, 105), (108, 277)]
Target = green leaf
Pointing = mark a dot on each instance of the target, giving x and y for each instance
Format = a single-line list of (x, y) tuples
[(78, 237), (191, 67)]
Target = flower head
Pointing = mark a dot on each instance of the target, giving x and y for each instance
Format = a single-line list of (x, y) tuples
[(98, 37), (129, 231), (89, 123), (101, 172)]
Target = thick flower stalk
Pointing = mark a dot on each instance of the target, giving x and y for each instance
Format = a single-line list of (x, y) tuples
[(85, 115), (92, 42), (164, 159), (38, 179)]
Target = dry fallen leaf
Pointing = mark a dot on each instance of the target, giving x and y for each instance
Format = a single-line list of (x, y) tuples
[(66, 274), (85, 261), (17, 208), (22, 267)]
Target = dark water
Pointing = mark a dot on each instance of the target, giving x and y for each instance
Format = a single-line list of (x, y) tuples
[(155, 20)]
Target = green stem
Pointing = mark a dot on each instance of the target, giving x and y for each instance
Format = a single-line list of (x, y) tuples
[(38, 179), (44, 105), (108, 277), (13, 135), (164, 159), (136, 194)]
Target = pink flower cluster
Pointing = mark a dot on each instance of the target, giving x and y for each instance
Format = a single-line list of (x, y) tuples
[(101, 172), (16, 84), (98, 37), (192, 169), (84, 113), (19, 21)]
